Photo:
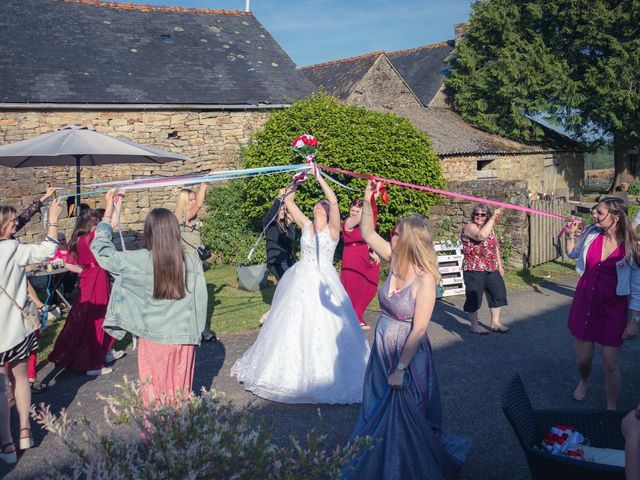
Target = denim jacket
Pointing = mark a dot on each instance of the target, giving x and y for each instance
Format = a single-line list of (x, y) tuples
[(627, 270), (132, 307)]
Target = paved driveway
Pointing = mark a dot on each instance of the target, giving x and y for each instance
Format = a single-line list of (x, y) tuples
[(472, 371)]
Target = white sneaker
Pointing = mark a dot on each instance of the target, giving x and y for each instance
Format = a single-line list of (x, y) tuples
[(102, 371), (113, 355)]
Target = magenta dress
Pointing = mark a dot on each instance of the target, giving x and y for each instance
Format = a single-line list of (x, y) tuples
[(358, 273), (82, 343), (597, 314)]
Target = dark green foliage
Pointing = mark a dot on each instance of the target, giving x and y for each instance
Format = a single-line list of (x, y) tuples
[(225, 228), (602, 158), (634, 189), (573, 62), (350, 138)]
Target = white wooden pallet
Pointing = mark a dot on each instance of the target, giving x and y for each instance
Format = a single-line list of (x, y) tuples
[(450, 259)]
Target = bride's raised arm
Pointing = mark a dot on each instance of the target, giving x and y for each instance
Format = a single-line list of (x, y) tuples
[(295, 212), (334, 210), (367, 229)]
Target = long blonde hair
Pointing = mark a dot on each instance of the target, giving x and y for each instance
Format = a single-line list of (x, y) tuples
[(182, 205), (415, 247)]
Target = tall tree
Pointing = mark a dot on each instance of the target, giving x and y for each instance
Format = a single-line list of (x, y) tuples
[(572, 62)]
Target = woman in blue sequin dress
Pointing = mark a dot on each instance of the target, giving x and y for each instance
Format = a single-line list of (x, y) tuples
[(401, 402)]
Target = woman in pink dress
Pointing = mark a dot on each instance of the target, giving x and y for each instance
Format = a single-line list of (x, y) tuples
[(360, 269), (607, 256), (82, 344)]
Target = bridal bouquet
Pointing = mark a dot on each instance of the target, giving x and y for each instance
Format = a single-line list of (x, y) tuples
[(304, 147), (566, 441)]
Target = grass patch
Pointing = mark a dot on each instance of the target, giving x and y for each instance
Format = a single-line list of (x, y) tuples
[(48, 337), (234, 310), (531, 277)]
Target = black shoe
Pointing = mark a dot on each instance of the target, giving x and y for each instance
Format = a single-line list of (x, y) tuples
[(209, 337)]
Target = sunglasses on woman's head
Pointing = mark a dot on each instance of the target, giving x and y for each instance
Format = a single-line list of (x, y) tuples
[(479, 214)]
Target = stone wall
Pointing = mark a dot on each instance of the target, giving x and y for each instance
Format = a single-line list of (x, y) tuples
[(211, 139), (513, 229), (548, 173), (382, 89)]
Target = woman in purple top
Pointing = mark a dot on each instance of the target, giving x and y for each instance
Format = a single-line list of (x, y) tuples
[(608, 256), (401, 407)]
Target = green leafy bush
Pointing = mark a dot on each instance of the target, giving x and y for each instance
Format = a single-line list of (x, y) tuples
[(226, 230), (197, 437), (351, 138), (634, 189)]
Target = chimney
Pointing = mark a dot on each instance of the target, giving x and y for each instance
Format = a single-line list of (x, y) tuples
[(247, 6), (459, 29)]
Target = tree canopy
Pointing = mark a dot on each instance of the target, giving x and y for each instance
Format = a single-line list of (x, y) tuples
[(572, 62)]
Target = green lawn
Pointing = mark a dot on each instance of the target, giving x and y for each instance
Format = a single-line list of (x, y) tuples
[(233, 310)]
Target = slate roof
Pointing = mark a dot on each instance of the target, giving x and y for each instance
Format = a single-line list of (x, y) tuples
[(423, 69), (452, 136), (338, 78), (90, 52)]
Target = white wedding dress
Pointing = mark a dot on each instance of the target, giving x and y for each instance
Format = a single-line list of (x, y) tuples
[(311, 348)]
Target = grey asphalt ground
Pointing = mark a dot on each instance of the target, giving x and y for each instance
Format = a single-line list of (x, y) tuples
[(472, 371)]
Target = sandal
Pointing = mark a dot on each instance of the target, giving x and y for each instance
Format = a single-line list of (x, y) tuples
[(38, 387), (8, 457), (26, 442)]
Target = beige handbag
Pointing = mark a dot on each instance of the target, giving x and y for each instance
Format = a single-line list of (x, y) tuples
[(29, 312)]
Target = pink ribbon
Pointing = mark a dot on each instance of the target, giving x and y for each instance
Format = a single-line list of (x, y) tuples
[(446, 193)]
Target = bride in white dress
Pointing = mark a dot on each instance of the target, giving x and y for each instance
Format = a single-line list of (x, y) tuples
[(311, 348)]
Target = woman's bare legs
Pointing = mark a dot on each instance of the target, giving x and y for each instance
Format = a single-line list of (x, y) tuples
[(5, 428), (610, 356), (22, 393), (584, 358)]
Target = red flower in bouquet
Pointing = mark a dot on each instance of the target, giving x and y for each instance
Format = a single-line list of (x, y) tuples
[(304, 147)]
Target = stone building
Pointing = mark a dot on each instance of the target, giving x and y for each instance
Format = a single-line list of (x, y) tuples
[(410, 83), (196, 82)]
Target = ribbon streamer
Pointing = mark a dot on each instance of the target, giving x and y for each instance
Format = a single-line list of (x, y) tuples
[(446, 193), (144, 183)]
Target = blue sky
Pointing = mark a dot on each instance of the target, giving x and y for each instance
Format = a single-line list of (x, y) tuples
[(314, 31)]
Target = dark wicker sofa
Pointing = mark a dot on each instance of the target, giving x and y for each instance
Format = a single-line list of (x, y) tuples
[(600, 427)]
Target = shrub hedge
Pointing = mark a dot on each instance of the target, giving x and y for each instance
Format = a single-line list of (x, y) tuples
[(225, 229), (351, 138)]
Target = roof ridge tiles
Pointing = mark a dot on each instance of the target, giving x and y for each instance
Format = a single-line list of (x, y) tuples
[(154, 8), (422, 47), (344, 60)]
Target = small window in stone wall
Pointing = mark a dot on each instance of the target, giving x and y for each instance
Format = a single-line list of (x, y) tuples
[(486, 168)]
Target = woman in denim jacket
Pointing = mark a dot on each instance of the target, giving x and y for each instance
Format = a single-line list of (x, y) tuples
[(159, 295), (607, 256)]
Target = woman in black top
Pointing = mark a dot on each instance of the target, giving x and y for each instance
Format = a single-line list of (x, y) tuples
[(280, 236)]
